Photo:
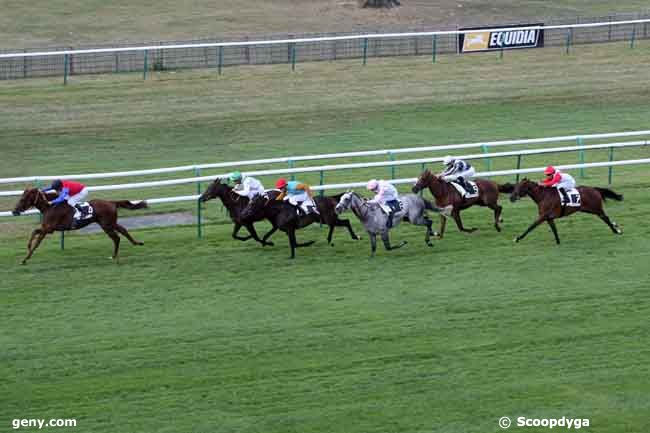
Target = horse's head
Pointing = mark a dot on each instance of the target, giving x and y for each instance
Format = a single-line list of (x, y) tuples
[(345, 202), (30, 198), (425, 179), (254, 207), (216, 189), (521, 189)]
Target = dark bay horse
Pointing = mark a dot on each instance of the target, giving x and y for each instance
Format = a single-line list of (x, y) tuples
[(235, 204), (550, 208), (446, 195), (60, 218), (282, 215)]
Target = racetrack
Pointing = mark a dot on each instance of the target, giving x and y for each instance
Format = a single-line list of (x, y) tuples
[(218, 335)]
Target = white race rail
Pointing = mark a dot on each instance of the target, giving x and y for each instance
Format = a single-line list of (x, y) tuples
[(292, 159), (327, 168), (409, 180), (309, 40)]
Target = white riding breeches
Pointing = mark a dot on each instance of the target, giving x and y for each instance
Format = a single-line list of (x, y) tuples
[(566, 184), (467, 174), (78, 198), (301, 199)]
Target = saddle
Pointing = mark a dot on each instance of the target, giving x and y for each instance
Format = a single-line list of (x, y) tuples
[(82, 213), (467, 190), (394, 207), (305, 208), (573, 198)]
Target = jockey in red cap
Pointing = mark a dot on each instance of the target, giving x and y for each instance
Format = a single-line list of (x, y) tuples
[(296, 193), (561, 181)]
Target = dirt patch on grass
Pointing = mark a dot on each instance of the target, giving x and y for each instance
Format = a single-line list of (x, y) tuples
[(146, 221)]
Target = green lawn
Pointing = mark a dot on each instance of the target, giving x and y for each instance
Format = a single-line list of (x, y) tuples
[(197, 335)]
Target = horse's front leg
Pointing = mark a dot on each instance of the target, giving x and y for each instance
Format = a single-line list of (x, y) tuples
[(427, 237), (253, 232), (537, 222), (459, 223), (551, 223), (31, 239), (386, 239), (346, 223), (443, 225), (373, 244), (268, 235), (235, 232), (32, 248)]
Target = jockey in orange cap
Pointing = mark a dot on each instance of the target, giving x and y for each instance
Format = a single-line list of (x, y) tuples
[(561, 181)]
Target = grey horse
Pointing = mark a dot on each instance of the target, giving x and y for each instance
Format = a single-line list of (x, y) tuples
[(374, 219)]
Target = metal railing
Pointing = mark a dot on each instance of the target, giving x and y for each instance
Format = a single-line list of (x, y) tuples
[(291, 160), (174, 56)]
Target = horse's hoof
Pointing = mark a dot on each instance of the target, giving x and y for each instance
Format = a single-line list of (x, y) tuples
[(516, 240), (498, 229), (429, 243), (139, 243), (619, 231), (500, 220), (23, 263)]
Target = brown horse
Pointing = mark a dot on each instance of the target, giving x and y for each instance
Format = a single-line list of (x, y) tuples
[(446, 195), (235, 204), (60, 218), (550, 207)]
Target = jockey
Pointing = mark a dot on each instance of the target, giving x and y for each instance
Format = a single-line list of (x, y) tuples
[(559, 180), (386, 196), (459, 171), (70, 191), (296, 193), (246, 186)]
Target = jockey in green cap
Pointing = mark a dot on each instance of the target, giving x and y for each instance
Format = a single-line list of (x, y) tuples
[(245, 185)]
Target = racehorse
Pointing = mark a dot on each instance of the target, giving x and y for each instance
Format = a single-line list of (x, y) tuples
[(550, 208), (282, 215), (374, 219), (446, 195), (61, 218), (234, 204)]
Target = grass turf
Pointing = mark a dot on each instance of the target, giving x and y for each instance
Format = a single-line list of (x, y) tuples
[(217, 335)]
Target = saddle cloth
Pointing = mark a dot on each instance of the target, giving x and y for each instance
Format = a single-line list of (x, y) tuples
[(463, 192), (306, 206), (387, 209), (574, 197), (89, 212)]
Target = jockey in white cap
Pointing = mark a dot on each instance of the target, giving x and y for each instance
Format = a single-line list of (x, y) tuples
[(386, 196), (458, 171), (246, 186)]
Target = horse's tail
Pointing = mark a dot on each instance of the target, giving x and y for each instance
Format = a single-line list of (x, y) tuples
[(608, 193), (428, 205), (506, 187), (126, 204)]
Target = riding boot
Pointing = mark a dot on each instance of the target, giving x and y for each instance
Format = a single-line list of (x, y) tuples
[(389, 223), (81, 210), (565, 196), (301, 211)]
